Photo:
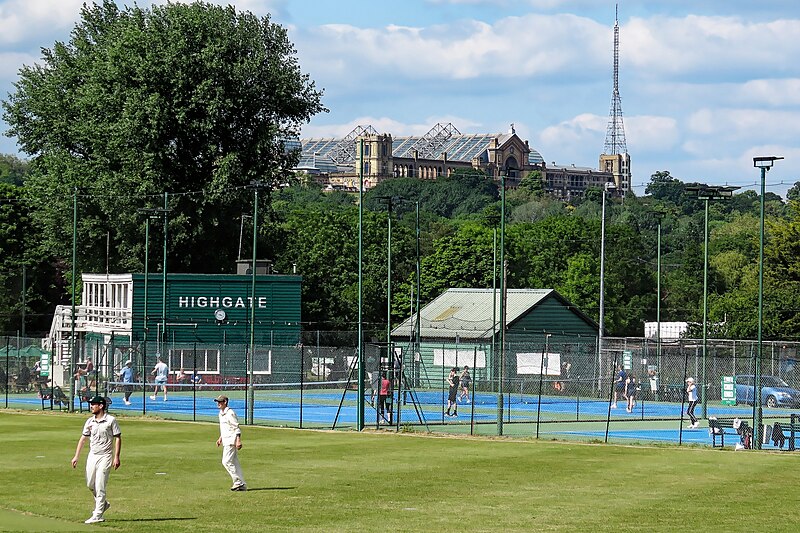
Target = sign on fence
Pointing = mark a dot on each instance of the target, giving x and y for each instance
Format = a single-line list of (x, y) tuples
[(728, 390), (44, 365), (627, 359)]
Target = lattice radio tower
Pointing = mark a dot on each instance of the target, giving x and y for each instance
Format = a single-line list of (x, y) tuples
[(615, 133)]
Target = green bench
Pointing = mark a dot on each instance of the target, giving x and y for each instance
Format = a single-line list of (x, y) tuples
[(719, 427)]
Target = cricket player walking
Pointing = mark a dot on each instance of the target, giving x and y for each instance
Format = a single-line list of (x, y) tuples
[(105, 445), (230, 438)]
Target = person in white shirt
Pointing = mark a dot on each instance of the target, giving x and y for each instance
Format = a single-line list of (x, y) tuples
[(105, 445), (230, 438), (691, 392), (161, 372)]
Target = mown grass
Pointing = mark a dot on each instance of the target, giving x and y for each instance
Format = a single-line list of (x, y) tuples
[(171, 480)]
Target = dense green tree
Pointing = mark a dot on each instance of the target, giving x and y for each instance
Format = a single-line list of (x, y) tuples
[(193, 99), (13, 170), (24, 264), (793, 194), (665, 187)]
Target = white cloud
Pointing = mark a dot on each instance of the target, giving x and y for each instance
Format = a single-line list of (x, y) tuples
[(11, 62), (23, 20), (530, 46), (773, 92), (651, 134), (701, 47), (753, 125)]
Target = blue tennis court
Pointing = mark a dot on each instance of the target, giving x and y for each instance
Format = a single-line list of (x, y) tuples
[(320, 407)]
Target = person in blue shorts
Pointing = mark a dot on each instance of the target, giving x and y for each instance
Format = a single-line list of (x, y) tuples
[(630, 392), (127, 375), (161, 373)]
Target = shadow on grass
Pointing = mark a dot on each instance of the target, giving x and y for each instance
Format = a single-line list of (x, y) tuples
[(270, 488), (159, 519)]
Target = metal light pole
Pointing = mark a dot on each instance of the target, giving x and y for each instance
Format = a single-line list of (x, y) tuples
[(144, 317), (501, 370), (658, 300), (256, 185), (163, 336), (150, 214), (72, 315), (764, 163), (707, 193), (609, 186), (418, 321), (361, 372), (390, 201), (494, 292)]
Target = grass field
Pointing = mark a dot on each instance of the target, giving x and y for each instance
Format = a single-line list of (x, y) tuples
[(171, 479)]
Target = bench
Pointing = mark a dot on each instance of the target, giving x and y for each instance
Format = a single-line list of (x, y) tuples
[(779, 434), (719, 427), (46, 394)]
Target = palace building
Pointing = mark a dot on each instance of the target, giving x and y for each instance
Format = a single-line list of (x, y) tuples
[(335, 163)]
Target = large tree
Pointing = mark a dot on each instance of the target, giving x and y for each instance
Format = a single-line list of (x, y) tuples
[(195, 100)]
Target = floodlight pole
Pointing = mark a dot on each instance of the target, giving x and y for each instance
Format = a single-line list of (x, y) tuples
[(764, 163), (501, 370), (418, 319), (361, 372), (703, 383), (150, 214), (707, 193), (658, 301), (607, 187), (144, 317), (72, 313), (163, 337), (256, 185)]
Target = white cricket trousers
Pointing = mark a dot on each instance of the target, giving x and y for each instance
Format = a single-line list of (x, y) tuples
[(230, 460), (98, 467)]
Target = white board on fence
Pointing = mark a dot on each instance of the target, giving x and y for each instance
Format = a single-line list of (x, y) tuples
[(450, 357), (531, 363)]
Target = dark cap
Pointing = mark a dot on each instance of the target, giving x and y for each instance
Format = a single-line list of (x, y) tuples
[(221, 398), (98, 399)]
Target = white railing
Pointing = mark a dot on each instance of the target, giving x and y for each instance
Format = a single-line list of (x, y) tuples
[(87, 318)]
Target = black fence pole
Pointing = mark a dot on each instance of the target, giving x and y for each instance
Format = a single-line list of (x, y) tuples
[(443, 387), (194, 382), (302, 384), (7, 378), (472, 393), (539, 395), (610, 396)]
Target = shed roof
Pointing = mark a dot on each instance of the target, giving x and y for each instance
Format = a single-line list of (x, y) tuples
[(467, 313)]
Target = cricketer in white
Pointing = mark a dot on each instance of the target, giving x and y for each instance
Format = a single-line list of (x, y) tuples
[(230, 438), (105, 445)]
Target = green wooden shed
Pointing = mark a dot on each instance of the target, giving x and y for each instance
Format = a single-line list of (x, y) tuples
[(462, 327)]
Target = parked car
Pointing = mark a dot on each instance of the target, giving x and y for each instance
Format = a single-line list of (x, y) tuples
[(774, 391)]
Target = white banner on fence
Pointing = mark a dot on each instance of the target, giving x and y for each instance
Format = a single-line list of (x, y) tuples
[(450, 357), (531, 363)]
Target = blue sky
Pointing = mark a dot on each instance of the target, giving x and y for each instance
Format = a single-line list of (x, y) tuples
[(705, 84)]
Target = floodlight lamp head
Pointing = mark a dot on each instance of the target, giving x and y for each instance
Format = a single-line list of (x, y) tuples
[(765, 162), (610, 186)]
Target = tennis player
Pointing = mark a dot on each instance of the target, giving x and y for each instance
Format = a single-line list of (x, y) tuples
[(105, 445), (230, 438), (161, 373)]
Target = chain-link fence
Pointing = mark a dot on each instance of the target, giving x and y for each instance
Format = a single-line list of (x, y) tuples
[(537, 385)]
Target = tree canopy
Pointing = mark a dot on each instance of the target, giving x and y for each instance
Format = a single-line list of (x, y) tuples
[(193, 99)]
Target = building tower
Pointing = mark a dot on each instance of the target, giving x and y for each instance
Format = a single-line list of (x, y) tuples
[(615, 158)]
